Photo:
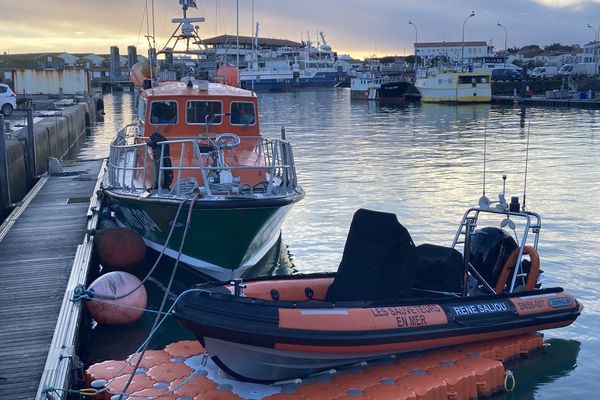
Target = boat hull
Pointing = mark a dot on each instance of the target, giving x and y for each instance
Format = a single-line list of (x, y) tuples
[(267, 82), (455, 88), (258, 339), (224, 238), (279, 364), (388, 91)]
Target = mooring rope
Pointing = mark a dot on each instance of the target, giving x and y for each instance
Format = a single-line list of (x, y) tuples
[(157, 320), (81, 293)]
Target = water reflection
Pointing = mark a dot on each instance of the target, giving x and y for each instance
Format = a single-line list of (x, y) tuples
[(277, 261), (118, 111), (532, 374)]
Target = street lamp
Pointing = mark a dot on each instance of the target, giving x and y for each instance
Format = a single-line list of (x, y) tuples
[(416, 41), (505, 41), (595, 49), (462, 58)]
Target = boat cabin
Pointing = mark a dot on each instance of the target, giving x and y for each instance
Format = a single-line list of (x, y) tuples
[(178, 109), (202, 135)]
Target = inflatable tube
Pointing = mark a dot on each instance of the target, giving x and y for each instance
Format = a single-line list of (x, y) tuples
[(142, 71), (228, 74), (284, 321)]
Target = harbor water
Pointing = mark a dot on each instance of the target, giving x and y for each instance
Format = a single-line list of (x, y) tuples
[(425, 163)]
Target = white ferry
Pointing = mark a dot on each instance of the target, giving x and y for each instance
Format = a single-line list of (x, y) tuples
[(289, 69)]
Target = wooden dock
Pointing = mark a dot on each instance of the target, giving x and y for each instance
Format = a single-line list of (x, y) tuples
[(44, 253)]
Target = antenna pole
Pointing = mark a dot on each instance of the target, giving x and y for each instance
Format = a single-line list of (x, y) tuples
[(526, 164), (237, 35), (484, 153), (153, 27)]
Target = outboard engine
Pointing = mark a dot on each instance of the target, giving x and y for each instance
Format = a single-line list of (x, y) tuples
[(489, 249)]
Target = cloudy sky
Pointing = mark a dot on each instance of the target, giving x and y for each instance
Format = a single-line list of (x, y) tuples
[(358, 27)]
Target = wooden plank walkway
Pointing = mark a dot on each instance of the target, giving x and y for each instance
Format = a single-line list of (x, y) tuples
[(36, 257)]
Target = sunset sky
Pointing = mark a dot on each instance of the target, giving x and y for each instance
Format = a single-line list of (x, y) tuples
[(358, 27)]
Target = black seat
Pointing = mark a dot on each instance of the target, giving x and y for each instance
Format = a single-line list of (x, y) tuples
[(439, 268), (378, 261)]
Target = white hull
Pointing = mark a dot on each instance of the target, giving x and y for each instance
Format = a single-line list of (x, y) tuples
[(262, 364)]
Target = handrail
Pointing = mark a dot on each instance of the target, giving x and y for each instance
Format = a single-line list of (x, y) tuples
[(532, 223), (128, 169)]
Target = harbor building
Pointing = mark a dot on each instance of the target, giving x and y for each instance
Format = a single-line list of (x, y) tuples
[(28, 72), (224, 47), (591, 52), (453, 50)]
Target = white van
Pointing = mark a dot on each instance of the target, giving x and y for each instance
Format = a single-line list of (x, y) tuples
[(544, 72), (577, 69)]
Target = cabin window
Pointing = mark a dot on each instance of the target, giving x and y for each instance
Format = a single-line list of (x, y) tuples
[(142, 109), (163, 112), (203, 112), (242, 113), (466, 79)]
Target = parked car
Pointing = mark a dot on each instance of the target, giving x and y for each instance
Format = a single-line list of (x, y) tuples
[(544, 72), (577, 69), (501, 74), (8, 100)]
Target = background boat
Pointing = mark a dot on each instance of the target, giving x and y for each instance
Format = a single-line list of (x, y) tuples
[(379, 87), (287, 68), (440, 86)]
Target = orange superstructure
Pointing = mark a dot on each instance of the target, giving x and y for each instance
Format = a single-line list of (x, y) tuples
[(201, 111)]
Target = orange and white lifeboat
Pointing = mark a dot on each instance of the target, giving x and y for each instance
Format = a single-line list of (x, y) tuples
[(278, 328)]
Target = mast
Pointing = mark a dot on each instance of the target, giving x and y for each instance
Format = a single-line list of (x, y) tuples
[(255, 41), (237, 34)]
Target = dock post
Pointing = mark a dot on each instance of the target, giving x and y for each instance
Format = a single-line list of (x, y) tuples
[(31, 143), (4, 181)]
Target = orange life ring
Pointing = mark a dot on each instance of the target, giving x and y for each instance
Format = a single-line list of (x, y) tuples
[(534, 271)]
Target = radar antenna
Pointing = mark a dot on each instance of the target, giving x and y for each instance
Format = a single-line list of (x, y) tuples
[(185, 31)]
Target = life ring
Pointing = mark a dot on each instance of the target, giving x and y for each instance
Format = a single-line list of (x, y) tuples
[(534, 271)]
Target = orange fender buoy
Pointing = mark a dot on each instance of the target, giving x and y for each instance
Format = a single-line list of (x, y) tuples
[(115, 301), (534, 271), (119, 248)]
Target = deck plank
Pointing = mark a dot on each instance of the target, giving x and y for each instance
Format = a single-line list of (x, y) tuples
[(36, 257)]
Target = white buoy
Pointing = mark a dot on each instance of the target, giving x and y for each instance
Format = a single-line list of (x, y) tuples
[(115, 302)]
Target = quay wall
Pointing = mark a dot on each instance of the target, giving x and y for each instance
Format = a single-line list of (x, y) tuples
[(54, 136)]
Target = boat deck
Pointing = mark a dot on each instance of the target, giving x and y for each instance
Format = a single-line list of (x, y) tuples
[(43, 247)]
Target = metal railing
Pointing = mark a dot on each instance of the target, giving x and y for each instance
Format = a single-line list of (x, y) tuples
[(532, 223), (222, 164)]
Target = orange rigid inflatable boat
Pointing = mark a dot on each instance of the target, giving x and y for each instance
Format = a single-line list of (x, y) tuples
[(388, 296)]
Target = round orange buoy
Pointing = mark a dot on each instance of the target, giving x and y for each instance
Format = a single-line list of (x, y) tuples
[(119, 248), (116, 301)]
